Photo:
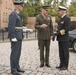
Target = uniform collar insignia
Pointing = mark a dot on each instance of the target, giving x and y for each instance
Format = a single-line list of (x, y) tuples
[(48, 18)]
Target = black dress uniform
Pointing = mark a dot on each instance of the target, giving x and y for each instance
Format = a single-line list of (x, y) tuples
[(63, 40), (15, 21), (44, 37)]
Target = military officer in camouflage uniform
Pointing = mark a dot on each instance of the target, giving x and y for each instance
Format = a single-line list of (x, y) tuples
[(15, 34), (63, 38), (45, 33)]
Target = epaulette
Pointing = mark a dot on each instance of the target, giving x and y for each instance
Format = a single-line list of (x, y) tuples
[(11, 15)]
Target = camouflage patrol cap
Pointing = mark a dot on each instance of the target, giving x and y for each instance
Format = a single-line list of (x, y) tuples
[(45, 7)]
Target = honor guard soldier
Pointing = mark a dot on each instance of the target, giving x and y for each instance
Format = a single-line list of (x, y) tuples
[(63, 38), (15, 34), (45, 33)]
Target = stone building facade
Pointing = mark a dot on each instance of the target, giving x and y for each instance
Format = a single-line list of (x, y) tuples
[(6, 7)]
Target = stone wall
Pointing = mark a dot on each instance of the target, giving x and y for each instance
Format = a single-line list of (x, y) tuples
[(73, 18), (31, 22)]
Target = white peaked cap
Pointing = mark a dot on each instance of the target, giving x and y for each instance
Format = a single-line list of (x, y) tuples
[(62, 8)]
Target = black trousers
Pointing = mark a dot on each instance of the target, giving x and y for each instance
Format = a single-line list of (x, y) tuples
[(15, 55), (64, 53), (44, 44)]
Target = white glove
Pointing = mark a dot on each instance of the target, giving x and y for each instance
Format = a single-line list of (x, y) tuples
[(62, 32), (24, 30), (14, 40), (27, 30)]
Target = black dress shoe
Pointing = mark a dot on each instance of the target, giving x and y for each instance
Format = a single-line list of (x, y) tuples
[(42, 65), (47, 65), (58, 67), (20, 70), (63, 68), (15, 73)]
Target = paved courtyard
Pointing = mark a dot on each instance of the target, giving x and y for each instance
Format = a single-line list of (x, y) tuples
[(30, 60)]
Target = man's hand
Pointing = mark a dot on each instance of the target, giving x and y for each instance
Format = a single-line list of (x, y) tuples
[(44, 26), (62, 32), (14, 40), (51, 37)]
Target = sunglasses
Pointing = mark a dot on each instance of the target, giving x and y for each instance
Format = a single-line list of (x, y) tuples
[(46, 10)]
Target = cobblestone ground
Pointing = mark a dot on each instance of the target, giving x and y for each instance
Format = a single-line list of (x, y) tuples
[(30, 60)]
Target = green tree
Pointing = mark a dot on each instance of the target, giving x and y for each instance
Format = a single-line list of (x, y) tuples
[(24, 15), (33, 7), (72, 8), (63, 2)]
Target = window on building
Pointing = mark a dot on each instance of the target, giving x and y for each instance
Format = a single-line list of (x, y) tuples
[(6, 17), (9, 6), (3, 16), (6, 5)]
